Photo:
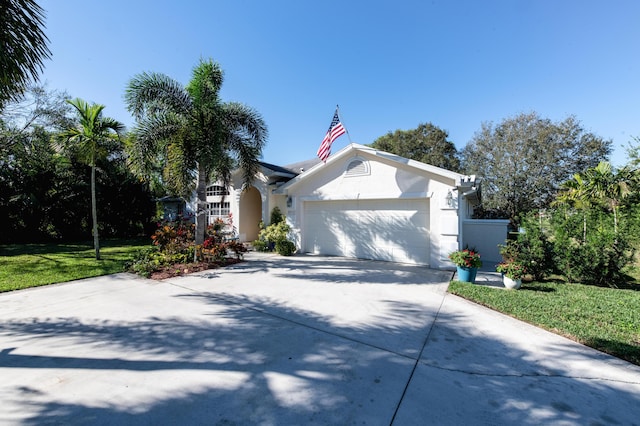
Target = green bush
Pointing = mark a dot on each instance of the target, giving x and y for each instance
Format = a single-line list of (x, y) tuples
[(260, 245), (598, 259), (535, 250), (605, 259), (146, 261), (275, 232), (276, 236), (276, 216), (285, 247)]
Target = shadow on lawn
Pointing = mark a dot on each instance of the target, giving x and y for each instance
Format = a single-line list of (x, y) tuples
[(43, 249), (254, 360), (537, 288), (627, 282), (616, 348), (75, 247)]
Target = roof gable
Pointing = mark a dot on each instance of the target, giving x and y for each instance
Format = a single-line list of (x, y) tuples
[(365, 151)]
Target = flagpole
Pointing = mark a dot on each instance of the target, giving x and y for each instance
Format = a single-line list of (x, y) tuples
[(345, 127)]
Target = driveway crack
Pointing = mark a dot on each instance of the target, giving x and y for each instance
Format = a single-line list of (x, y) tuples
[(524, 375), (415, 365)]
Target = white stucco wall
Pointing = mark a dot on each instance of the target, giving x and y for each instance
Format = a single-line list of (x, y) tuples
[(385, 179)]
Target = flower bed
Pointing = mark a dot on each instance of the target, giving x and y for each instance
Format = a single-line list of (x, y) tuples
[(180, 269)]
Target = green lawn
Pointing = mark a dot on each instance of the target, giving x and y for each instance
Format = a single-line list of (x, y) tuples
[(604, 318), (32, 265)]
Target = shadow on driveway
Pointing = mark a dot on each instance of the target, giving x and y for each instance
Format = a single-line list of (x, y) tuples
[(205, 357)]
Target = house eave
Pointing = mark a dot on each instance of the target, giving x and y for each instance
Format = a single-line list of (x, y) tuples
[(457, 178)]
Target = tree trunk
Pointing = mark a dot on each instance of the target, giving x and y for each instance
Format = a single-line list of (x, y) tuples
[(201, 208), (94, 212)]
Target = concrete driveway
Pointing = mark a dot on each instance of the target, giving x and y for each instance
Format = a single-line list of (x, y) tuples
[(300, 340)]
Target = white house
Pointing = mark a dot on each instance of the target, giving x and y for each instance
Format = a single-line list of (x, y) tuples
[(361, 203)]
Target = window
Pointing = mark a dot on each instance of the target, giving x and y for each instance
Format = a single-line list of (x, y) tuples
[(217, 210), (214, 190), (357, 167)]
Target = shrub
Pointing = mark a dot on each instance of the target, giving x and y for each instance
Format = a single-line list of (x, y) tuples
[(510, 251), (276, 216), (221, 229), (174, 237), (603, 259), (145, 261), (599, 259), (209, 243), (237, 248), (275, 232), (218, 252), (275, 236), (535, 251), (260, 245), (285, 247)]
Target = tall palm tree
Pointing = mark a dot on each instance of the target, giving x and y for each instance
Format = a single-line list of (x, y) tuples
[(191, 135), (23, 46), (91, 139)]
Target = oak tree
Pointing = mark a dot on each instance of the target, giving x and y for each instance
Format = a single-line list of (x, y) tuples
[(524, 159)]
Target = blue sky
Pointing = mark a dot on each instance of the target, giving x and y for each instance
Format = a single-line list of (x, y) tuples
[(389, 65)]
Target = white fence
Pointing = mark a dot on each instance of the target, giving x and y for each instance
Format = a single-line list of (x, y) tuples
[(485, 235)]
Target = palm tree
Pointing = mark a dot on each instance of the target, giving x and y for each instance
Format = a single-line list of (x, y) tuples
[(574, 194), (91, 140), (190, 135), (23, 46), (609, 187), (598, 185)]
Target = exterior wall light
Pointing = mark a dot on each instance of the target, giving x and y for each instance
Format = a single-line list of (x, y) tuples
[(449, 200)]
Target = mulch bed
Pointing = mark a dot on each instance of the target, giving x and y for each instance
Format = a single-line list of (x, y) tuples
[(179, 269)]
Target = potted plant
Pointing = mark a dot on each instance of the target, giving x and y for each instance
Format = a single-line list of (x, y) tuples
[(467, 262), (512, 273), (512, 267)]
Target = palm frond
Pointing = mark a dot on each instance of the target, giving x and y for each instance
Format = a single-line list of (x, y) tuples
[(151, 93), (146, 147), (205, 84), (225, 164), (108, 123), (178, 172), (245, 138), (247, 121), (189, 129), (24, 46), (91, 138)]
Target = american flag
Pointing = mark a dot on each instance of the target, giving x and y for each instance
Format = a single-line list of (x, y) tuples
[(336, 129)]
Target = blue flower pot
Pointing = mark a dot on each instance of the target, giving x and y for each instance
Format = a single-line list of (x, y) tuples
[(466, 274)]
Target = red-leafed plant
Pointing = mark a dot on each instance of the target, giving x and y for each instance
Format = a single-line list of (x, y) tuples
[(466, 258)]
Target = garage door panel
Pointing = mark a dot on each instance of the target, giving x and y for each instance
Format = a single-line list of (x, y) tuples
[(394, 230)]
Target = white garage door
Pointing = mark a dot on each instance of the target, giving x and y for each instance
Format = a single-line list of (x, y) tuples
[(394, 230)]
